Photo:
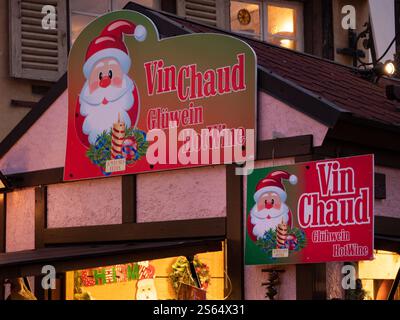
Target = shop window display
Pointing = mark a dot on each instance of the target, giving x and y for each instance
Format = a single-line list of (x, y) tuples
[(377, 276), (160, 279)]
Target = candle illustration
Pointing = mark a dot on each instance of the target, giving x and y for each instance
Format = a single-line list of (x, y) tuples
[(118, 135), (281, 235)]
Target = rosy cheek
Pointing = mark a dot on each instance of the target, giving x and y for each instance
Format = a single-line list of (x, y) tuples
[(117, 82), (93, 86), (277, 205), (260, 205)]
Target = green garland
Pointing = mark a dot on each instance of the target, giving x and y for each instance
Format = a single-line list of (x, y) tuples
[(181, 273), (80, 294), (100, 152)]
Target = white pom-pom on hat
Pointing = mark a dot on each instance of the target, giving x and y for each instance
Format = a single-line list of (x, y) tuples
[(140, 33), (293, 179)]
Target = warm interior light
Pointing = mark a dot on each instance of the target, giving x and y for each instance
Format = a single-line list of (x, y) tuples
[(384, 266), (4, 184), (377, 275), (389, 68), (286, 43), (281, 20), (288, 26)]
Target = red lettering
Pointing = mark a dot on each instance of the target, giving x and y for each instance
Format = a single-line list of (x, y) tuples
[(196, 83), (238, 82), (183, 92), (151, 71)]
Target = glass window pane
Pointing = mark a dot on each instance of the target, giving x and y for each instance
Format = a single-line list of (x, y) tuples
[(120, 4), (78, 22), (245, 18), (282, 42), (282, 25), (90, 6)]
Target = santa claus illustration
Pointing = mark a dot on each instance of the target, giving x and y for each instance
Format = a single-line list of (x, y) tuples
[(146, 287), (108, 94), (270, 208)]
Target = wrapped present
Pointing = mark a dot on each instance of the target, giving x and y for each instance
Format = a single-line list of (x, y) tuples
[(291, 242)]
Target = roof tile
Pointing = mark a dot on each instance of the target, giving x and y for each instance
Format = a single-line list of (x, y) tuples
[(337, 83)]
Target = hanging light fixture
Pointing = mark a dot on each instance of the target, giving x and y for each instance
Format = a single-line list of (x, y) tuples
[(379, 70), (389, 68), (374, 70)]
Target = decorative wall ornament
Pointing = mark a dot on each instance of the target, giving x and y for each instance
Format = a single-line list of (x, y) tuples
[(244, 17), (272, 283), (181, 273)]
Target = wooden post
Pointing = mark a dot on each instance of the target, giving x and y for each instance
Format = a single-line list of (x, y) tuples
[(40, 226), (234, 232), (129, 199), (311, 281), (327, 30), (3, 201)]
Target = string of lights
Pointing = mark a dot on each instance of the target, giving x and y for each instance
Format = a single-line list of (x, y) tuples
[(378, 69)]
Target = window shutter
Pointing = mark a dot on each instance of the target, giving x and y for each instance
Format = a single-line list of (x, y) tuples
[(211, 12), (37, 53)]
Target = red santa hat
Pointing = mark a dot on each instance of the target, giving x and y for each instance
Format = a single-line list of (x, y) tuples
[(147, 274), (273, 183), (146, 271), (110, 44)]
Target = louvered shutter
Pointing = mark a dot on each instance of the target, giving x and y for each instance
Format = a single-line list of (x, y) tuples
[(212, 12), (36, 53)]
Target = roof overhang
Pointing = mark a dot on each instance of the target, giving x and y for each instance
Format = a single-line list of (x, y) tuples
[(31, 262)]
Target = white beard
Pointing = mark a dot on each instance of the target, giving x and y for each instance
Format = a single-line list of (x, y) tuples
[(262, 224), (98, 117), (146, 290)]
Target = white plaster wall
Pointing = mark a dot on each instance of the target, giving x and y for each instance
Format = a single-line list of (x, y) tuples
[(43, 145), (181, 194), (254, 278), (20, 220), (84, 203), (278, 120), (20, 225), (389, 207)]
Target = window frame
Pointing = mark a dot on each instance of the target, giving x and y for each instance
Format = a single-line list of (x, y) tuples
[(298, 7), (262, 17), (111, 7), (44, 71)]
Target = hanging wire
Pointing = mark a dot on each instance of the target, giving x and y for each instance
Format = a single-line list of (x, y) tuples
[(388, 48), (230, 286), (364, 64)]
